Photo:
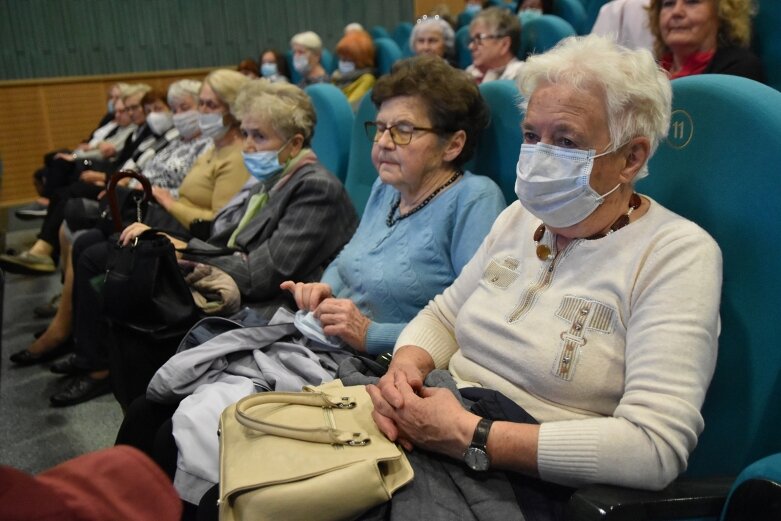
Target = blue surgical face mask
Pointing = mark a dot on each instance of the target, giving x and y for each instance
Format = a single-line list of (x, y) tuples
[(211, 125), (472, 8), (301, 63), (268, 70), (346, 66), (262, 165), (553, 183), (110, 106)]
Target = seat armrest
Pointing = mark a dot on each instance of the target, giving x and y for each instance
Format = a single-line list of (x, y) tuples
[(684, 498)]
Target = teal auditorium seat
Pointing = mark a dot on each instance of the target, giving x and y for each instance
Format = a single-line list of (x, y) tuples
[(386, 54), (361, 173), (331, 141), (464, 19), (768, 40), (379, 31), (756, 493), (463, 54), (541, 33), (401, 34), (719, 168), (499, 145), (592, 8), (574, 13)]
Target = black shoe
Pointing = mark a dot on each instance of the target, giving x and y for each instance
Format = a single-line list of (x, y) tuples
[(25, 357), (80, 389), (40, 332), (67, 365), (49, 309), (32, 211)]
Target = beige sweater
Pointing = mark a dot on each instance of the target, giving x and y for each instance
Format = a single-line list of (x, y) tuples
[(611, 348), (215, 177)]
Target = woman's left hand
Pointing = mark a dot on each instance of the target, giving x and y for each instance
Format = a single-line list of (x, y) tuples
[(131, 232), (163, 197), (93, 177), (340, 317), (434, 419)]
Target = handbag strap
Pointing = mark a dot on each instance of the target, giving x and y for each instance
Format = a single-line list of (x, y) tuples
[(310, 397), (113, 202)]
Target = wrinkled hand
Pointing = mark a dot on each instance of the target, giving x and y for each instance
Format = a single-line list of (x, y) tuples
[(93, 177), (163, 196), (106, 149), (308, 295), (131, 232), (340, 317), (432, 419)]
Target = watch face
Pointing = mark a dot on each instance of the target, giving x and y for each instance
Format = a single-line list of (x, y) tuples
[(476, 459)]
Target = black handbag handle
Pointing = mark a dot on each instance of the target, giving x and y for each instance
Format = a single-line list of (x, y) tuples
[(111, 193)]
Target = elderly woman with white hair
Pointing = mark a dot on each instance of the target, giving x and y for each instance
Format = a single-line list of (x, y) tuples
[(433, 35), (307, 50), (591, 307)]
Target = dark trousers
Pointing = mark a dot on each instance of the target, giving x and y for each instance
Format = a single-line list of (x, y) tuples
[(90, 253), (55, 214)]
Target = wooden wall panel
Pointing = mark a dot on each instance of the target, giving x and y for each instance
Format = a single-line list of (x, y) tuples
[(39, 116)]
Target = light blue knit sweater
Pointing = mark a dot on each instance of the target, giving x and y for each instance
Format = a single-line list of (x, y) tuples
[(391, 273)]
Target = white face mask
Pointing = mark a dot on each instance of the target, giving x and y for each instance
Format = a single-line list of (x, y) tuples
[(553, 183), (301, 63), (346, 67), (211, 125), (187, 123), (159, 122)]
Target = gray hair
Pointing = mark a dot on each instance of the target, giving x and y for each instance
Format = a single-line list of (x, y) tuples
[(226, 84), (637, 93), (308, 39), (448, 36), (287, 108), (133, 89), (503, 22), (183, 89)]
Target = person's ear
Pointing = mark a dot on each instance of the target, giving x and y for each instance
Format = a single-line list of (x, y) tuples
[(635, 155), (294, 146), (454, 145)]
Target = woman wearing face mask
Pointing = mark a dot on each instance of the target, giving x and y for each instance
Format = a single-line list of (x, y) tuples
[(296, 218), (591, 307), (355, 75), (307, 48), (273, 66), (217, 174)]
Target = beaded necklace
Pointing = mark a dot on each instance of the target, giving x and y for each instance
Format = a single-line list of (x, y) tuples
[(543, 251), (392, 219)]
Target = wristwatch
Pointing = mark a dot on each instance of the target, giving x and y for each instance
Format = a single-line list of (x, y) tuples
[(476, 456)]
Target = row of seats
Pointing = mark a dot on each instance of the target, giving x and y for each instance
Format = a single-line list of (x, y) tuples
[(727, 184)]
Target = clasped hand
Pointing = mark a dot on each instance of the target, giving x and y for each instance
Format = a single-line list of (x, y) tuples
[(411, 414)]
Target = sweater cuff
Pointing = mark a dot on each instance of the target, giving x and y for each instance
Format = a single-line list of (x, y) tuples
[(381, 338), (430, 340), (567, 452)]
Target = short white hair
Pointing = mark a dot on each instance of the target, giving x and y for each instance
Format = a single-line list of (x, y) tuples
[(310, 40), (428, 22), (183, 89), (637, 92), (354, 26)]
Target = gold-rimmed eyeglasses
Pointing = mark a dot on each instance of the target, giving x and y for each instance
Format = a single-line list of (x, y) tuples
[(400, 133)]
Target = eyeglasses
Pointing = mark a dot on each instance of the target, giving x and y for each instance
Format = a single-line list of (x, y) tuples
[(478, 38), (133, 108), (400, 133)]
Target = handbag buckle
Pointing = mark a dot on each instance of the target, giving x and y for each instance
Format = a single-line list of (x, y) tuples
[(346, 403), (358, 442)]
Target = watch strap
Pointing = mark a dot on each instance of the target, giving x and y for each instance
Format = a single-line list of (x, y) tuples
[(480, 437)]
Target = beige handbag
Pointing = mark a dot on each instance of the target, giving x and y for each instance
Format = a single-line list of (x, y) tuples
[(312, 455)]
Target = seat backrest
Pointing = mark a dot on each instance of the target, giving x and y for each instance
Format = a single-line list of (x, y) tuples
[(499, 144), (361, 173), (401, 34), (464, 19), (331, 141), (463, 54), (379, 31), (543, 32), (573, 12), (756, 493), (592, 8), (719, 168), (386, 54), (768, 40)]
